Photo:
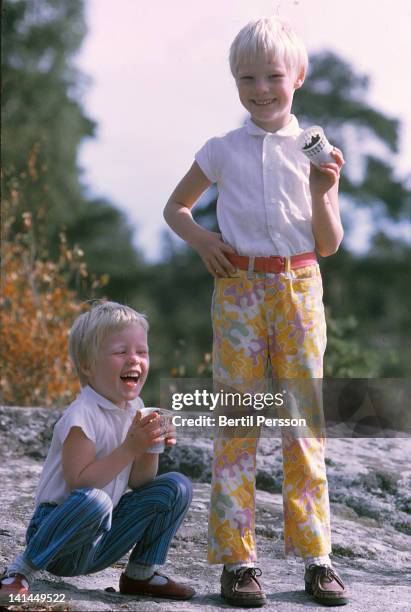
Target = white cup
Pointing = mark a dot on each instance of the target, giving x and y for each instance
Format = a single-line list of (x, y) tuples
[(314, 144), (165, 416)]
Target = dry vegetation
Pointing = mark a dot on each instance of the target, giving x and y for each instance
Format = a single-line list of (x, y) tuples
[(38, 308)]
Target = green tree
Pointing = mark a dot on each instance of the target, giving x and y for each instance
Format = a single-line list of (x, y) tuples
[(43, 122), (373, 287), (43, 126)]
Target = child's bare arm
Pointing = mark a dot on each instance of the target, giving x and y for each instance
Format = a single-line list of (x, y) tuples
[(145, 468), (178, 215), (326, 221), (82, 469)]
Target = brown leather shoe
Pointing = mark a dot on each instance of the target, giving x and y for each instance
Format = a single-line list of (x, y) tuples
[(170, 590), (12, 584), (325, 585), (241, 588)]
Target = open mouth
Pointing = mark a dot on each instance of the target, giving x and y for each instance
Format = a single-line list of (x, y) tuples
[(263, 102), (131, 378)]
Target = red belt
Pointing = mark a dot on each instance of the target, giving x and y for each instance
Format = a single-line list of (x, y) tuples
[(273, 265)]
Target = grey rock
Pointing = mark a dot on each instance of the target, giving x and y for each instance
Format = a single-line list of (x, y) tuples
[(370, 501)]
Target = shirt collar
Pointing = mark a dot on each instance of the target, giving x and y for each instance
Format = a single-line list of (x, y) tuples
[(90, 394), (291, 129)]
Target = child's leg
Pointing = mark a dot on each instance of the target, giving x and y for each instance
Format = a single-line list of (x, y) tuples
[(61, 539), (231, 537), (240, 356), (297, 345), (148, 517), (84, 535)]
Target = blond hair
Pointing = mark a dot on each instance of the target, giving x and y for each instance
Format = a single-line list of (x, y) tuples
[(91, 328), (269, 37)]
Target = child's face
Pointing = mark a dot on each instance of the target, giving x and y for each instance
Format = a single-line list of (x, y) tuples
[(266, 89), (122, 365)]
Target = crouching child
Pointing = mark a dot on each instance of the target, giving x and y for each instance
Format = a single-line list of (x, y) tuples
[(99, 496)]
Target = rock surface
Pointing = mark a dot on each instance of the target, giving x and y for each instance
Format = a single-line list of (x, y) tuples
[(369, 481)]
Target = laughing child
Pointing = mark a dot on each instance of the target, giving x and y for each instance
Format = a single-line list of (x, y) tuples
[(85, 520)]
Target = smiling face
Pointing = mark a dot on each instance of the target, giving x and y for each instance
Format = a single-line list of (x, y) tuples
[(266, 89), (121, 366)]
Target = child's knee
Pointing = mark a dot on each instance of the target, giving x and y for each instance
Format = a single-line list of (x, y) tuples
[(95, 502), (181, 488)]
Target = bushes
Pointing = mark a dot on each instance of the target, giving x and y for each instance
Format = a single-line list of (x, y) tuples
[(38, 309)]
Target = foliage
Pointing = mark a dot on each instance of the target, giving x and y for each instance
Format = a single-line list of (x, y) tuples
[(43, 122), (335, 96), (38, 309), (346, 357)]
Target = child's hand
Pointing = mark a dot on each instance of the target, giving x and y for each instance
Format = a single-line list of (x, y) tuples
[(325, 176), (212, 251), (143, 433)]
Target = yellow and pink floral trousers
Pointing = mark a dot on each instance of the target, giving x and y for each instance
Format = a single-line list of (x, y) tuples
[(269, 326)]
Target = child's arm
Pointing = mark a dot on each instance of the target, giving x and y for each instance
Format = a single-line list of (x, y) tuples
[(326, 222), (178, 215), (145, 468), (82, 469)]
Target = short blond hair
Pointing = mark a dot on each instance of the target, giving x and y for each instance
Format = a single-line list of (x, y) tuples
[(269, 37), (91, 328)]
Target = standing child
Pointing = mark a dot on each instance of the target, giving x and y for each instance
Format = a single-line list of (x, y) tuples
[(274, 210), (84, 520)]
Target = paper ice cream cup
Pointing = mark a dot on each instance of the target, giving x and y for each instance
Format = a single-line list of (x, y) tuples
[(314, 144), (165, 417)]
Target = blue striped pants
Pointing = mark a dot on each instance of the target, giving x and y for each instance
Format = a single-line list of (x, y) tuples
[(85, 534)]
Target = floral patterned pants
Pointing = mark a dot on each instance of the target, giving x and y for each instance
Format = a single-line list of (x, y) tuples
[(269, 327)]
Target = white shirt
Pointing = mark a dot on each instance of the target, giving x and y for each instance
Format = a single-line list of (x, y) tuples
[(264, 201), (103, 423)]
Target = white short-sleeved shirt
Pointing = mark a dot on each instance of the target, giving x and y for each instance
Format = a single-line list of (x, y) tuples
[(264, 201), (103, 423)]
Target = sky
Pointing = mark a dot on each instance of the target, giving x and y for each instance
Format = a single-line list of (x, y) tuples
[(160, 86)]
